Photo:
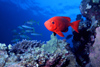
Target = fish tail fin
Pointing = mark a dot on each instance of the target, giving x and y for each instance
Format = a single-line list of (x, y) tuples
[(75, 25), (33, 29), (41, 34)]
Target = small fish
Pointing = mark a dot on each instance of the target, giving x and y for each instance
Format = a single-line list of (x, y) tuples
[(60, 24), (27, 27), (31, 22), (14, 31), (35, 34), (15, 40), (15, 36), (29, 31), (69, 36), (24, 36), (20, 27)]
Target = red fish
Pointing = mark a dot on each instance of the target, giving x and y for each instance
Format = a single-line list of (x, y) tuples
[(60, 24)]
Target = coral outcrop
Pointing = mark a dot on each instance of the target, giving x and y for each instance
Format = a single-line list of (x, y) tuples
[(39, 56)]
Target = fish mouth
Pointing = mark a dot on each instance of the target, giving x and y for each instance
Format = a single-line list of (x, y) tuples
[(49, 27), (45, 24)]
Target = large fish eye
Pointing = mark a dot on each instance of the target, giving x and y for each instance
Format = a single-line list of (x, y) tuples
[(52, 22)]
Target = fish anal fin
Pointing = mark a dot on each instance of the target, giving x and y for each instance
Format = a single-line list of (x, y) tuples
[(59, 33), (67, 18)]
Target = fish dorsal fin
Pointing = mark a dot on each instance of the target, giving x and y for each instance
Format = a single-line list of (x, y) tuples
[(59, 33), (67, 18)]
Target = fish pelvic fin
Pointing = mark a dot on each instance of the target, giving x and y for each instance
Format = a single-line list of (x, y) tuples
[(75, 25), (59, 33)]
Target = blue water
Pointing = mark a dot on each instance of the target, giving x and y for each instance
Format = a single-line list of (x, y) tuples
[(14, 13)]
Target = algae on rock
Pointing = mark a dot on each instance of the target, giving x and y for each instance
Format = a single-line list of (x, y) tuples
[(54, 45), (51, 44)]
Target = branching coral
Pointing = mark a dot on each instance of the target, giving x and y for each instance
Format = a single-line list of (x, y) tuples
[(22, 46)]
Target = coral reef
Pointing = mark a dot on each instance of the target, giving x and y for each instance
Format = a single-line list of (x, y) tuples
[(39, 56), (85, 39), (85, 46), (79, 17), (90, 10), (82, 42)]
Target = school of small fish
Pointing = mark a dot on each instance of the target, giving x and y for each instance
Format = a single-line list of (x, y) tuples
[(24, 30)]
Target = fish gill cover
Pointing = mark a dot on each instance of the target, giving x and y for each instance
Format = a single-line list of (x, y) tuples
[(56, 52)]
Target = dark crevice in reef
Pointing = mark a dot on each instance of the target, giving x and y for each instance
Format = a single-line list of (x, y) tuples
[(81, 45)]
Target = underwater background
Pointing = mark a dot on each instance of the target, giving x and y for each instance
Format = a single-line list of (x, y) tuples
[(26, 42), (14, 13)]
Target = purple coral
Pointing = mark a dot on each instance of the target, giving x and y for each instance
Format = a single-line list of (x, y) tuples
[(95, 50)]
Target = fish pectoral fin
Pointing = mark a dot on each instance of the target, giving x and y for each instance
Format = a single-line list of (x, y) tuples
[(59, 33), (65, 30)]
